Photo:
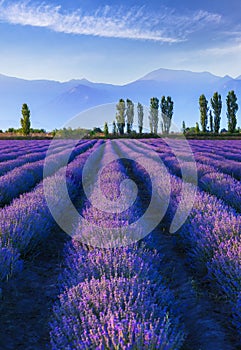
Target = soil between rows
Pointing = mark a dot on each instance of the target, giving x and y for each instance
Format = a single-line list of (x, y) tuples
[(27, 299)]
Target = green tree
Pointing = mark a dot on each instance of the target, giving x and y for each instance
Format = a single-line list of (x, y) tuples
[(197, 129), (167, 113), (153, 116), (203, 105), (232, 109), (183, 127), (129, 115), (216, 103), (106, 129), (120, 116), (140, 117), (25, 120), (114, 131), (211, 121)]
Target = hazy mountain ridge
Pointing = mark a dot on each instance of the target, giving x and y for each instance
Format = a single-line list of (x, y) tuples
[(53, 103)]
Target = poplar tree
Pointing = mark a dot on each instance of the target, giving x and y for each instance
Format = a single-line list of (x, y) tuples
[(232, 109), (140, 117), (153, 116), (203, 105), (120, 116), (211, 121), (216, 103), (167, 113), (129, 115), (197, 129), (25, 120), (106, 129), (114, 128)]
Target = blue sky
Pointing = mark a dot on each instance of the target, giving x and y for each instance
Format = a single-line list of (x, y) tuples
[(118, 41)]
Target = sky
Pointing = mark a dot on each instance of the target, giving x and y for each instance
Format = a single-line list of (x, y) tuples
[(118, 41)]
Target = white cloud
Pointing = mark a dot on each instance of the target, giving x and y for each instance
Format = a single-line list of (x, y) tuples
[(136, 24), (222, 51), (207, 17)]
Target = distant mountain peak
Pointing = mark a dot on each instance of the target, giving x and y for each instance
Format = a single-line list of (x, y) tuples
[(79, 81), (162, 74), (63, 100)]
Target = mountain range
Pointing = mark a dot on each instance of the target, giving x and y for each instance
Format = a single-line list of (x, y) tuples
[(53, 103)]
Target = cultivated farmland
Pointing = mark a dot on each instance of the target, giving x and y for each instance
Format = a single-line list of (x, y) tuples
[(116, 282)]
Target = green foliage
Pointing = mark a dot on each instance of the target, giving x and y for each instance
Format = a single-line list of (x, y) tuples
[(37, 131), (129, 115), (232, 109), (211, 121), (203, 105), (114, 129), (120, 116), (97, 130), (167, 113), (69, 133), (20, 131), (183, 127), (12, 130), (25, 120), (216, 103), (106, 129), (140, 117), (54, 132), (197, 129), (153, 116)]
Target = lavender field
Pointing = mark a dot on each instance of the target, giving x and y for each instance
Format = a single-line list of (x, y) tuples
[(115, 282)]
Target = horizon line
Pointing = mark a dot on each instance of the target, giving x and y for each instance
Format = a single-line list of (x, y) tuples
[(62, 81)]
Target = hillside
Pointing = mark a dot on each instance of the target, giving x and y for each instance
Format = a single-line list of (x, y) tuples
[(53, 103)]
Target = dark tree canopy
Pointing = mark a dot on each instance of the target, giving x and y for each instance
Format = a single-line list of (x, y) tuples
[(203, 105), (120, 115), (106, 129), (25, 120), (140, 117), (129, 115), (153, 117), (211, 121), (114, 130), (167, 113), (232, 109), (197, 129), (216, 103)]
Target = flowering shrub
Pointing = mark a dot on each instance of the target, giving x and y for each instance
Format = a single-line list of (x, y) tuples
[(211, 234), (115, 313), (10, 262), (27, 221), (113, 298)]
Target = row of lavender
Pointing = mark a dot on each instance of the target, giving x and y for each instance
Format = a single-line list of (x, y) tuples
[(12, 149), (23, 178), (211, 235), (112, 297), (30, 155), (209, 171), (28, 221)]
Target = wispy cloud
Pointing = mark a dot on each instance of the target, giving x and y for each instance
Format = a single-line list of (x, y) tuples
[(135, 23), (222, 51)]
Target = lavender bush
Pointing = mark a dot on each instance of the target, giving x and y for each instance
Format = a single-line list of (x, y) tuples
[(116, 313)]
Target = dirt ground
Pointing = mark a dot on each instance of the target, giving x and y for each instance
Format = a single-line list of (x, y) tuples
[(27, 299)]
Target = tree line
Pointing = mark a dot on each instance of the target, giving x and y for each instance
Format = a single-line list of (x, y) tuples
[(25, 123), (160, 115), (210, 116), (125, 113)]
